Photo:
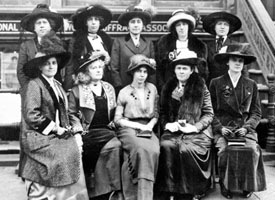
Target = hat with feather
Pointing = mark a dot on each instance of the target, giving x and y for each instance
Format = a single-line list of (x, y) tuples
[(142, 11), (242, 50), (140, 60), (79, 19), (51, 46), (41, 11)]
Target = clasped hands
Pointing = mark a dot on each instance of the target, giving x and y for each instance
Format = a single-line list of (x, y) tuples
[(238, 132), (181, 126)]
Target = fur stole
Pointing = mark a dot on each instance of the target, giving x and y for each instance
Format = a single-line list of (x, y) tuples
[(190, 106)]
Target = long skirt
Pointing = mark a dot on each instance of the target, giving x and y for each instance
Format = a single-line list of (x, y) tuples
[(76, 191), (185, 166), (241, 167), (102, 161), (140, 164)]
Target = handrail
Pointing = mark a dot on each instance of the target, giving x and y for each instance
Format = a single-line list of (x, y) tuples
[(259, 30)]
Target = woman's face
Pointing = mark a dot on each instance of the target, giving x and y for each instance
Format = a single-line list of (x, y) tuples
[(140, 75), (96, 70), (93, 24), (183, 72), (42, 27), (222, 28), (235, 64), (49, 68), (182, 28), (135, 26)]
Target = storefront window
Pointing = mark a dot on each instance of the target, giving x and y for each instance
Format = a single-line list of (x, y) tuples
[(8, 70), (22, 2), (105, 3)]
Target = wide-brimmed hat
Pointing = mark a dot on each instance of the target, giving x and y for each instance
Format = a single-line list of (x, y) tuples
[(242, 50), (79, 19), (41, 11), (90, 58), (50, 47), (210, 21), (178, 15), (185, 57), (140, 60), (135, 11)]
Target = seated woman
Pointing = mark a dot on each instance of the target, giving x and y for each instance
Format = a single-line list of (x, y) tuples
[(50, 160), (185, 116), (136, 115), (237, 111), (92, 104)]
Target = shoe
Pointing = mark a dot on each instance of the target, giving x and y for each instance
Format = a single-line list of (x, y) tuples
[(226, 193), (198, 196), (247, 194)]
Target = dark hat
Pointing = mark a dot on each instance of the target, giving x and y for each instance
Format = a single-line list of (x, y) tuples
[(135, 11), (50, 47), (41, 11), (139, 60), (90, 58), (179, 15), (80, 17), (210, 21), (184, 57), (242, 50)]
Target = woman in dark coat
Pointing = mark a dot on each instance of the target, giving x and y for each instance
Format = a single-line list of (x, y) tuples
[(185, 116), (92, 104), (237, 111), (51, 160), (181, 24), (42, 21), (88, 38), (135, 18), (221, 25)]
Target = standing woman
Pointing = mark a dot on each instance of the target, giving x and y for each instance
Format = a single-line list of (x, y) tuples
[(237, 109), (89, 38), (180, 25), (92, 104), (51, 163), (136, 115), (221, 25), (135, 18), (42, 21), (185, 116)]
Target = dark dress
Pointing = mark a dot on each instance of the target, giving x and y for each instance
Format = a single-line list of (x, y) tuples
[(240, 167), (185, 158)]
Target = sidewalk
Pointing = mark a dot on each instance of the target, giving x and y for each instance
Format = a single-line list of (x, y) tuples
[(12, 188)]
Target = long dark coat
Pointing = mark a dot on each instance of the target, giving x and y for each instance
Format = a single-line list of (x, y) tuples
[(79, 47), (239, 108), (167, 44), (123, 49), (47, 159)]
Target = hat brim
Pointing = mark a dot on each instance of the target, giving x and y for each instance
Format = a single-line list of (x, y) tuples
[(89, 61), (210, 20), (150, 69), (186, 61), (80, 19), (28, 21), (31, 68), (223, 57), (127, 16), (181, 16)]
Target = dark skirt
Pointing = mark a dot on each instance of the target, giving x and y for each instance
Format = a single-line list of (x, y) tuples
[(102, 161), (241, 167), (184, 163)]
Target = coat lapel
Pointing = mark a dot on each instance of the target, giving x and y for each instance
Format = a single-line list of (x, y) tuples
[(246, 90), (131, 46), (231, 99)]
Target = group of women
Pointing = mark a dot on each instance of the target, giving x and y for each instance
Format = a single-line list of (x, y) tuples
[(100, 139)]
